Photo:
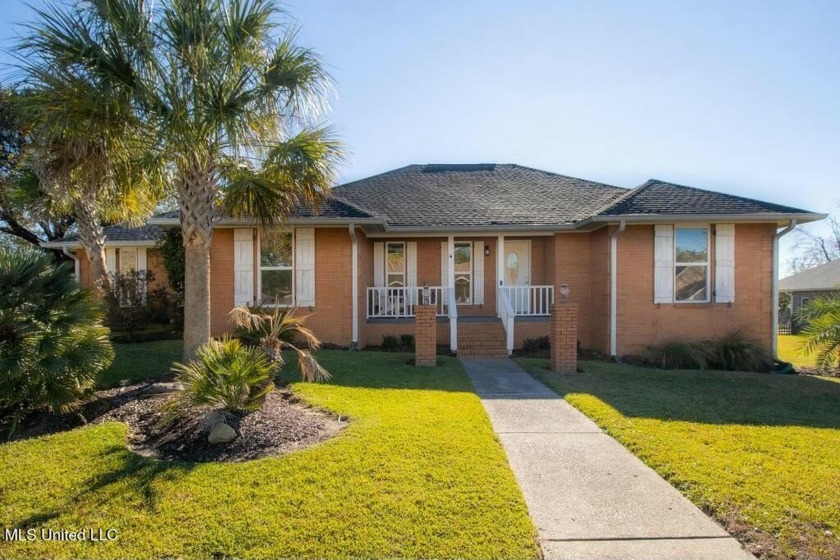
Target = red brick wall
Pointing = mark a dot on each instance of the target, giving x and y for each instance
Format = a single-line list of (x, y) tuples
[(221, 281), (330, 318), (642, 323), (154, 263)]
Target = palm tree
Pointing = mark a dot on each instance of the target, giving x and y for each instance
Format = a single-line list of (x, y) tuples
[(87, 143), (234, 103), (822, 333)]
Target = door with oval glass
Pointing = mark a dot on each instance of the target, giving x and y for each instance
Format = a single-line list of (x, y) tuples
[(518, 272)]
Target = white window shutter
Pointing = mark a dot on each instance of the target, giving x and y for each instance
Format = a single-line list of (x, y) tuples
[(725, 263), (379, 264), (663, 256), (142, 261), (243, 267), (305, 266), (411, 271), (444, 263), (478, 272), (111, 260)]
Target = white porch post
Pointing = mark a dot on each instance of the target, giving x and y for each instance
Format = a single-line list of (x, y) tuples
[(500, 269), (453, 312)]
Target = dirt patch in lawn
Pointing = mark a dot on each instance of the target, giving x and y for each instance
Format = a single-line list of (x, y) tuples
[(282, 425)]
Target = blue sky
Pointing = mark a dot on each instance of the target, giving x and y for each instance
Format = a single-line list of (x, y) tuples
[(742, 97)]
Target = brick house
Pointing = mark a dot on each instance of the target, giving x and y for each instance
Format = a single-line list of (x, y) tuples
[(490, 245)]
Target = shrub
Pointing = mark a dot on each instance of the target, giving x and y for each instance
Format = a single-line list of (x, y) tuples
[(407, 341), (274, 332), (132, 307), (537, 344), (52, 342), (678, 354), (225, 376), (390, 343), (733, 352)]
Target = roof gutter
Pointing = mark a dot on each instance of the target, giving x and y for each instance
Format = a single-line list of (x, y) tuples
[(614, 288), (774, 288), (235, 222), (719, 218), (77, 245)]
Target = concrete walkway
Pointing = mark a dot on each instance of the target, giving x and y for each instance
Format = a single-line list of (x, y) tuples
[(588, 496)]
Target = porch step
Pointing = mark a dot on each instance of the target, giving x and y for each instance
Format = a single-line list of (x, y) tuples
[(482, 340)]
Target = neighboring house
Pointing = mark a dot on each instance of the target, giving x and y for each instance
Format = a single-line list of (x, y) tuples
[(493, 243), (818, 282)]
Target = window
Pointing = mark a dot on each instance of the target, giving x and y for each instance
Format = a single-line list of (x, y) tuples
[(276, 268), (128, 260), (691, 264), (395, 264), (463, 273)]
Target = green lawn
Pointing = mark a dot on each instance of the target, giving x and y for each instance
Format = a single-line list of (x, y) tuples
[(761, 448), (136, 362), (418, 473), (790, 346)]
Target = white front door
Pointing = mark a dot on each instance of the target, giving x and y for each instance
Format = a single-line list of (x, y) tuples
[(518, 272)]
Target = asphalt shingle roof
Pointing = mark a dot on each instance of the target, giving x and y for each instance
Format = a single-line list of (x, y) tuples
[(119, 233), (439, 195), (330, 209), (660, 197), (823, 277)]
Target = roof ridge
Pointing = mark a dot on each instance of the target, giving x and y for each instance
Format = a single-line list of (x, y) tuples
[(591, 182), (345, 185), (624, 196)]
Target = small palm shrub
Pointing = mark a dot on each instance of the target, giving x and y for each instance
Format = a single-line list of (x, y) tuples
[(273, 331), (822, 333), (225, 376), (52, 342)]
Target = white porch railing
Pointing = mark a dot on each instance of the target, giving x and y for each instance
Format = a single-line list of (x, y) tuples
[(397, 302), (532, 301), (507, 315), (522, 301)]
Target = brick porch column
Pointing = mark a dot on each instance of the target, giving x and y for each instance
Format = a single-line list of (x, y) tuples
[(564, 337), (425, 335)]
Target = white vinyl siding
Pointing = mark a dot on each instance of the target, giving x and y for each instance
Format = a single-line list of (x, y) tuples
[(725, 263)]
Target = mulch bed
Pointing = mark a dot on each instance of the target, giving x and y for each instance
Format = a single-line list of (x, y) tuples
[(283, 424)]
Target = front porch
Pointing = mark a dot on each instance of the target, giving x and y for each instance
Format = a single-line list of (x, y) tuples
[(479, 287)]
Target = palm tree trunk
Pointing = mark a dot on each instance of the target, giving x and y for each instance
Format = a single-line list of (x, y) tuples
[(196, 187), (92, 237)]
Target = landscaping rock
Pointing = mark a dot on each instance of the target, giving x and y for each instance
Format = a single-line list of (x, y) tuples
[(161, 388), (221, 433)]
